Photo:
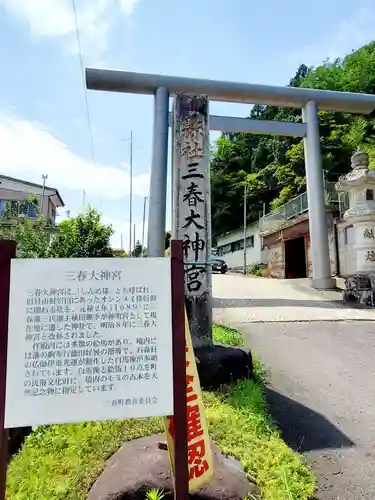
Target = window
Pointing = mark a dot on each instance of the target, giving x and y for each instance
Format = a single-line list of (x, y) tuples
[(250, 241), (237, 245), (223, 250), (369, 195), (31, 211)]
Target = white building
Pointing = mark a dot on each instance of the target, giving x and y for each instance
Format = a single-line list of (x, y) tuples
[(16, 190), (230, 247)]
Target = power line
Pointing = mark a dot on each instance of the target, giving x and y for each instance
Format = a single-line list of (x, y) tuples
[(83, 82)]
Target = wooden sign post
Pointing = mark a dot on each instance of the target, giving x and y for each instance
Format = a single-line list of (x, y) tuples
[(92, 339), (181, 475), (7, 252)]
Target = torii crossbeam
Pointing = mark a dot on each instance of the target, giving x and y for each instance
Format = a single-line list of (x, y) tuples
[(309, 100)]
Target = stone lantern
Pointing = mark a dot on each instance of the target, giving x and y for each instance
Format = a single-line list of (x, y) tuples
[(360, 184)]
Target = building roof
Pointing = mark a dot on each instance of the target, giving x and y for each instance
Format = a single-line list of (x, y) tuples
[(229, 233), (54, 191)]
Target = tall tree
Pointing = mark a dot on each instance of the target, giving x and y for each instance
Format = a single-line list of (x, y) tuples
[(274, 167)]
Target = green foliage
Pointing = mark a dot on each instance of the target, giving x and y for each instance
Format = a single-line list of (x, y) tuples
[(273, 167), (155, 494), (62, 461), (33, 237), (228, 336), (168, 236), (81, 236), (256, 270)]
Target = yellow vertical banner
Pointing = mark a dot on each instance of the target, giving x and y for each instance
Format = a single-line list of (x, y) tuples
[(199, 446)]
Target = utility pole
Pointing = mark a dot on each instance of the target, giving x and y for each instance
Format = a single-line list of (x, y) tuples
[(131, 193), (44, 177), (244, 227), (122, 246), (83, 200), (143, 223)]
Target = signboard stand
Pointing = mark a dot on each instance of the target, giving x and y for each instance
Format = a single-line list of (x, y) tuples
[(7, 252), (177, 301), (181, 476)]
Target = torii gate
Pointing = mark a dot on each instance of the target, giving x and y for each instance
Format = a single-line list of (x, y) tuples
[(309, 100)]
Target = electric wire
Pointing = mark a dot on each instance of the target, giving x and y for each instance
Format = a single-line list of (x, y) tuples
[(83, 82)]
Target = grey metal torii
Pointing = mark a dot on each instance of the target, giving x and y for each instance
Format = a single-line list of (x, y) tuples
[(309, 100)]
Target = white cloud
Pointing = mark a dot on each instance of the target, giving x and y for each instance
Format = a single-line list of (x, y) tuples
[(55, 19), (29, 150), (349, 34), (127, 6)]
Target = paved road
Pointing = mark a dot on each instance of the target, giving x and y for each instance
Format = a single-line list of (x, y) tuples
[(322, 383)]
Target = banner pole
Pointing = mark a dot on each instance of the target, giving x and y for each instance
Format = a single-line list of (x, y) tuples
[(181, 476)]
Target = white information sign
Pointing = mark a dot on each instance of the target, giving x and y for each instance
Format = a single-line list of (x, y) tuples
[(89, 339)]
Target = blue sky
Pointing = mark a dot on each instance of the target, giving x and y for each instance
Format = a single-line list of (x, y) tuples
[(43, 121)]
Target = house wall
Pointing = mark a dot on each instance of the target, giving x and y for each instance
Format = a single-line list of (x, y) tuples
[(275, 246), (18, 191), (234, 258), (275, 260)]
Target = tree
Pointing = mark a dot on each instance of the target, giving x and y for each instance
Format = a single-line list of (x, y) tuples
[(168, 236), (81, 236), (33, 237), (274, 167)]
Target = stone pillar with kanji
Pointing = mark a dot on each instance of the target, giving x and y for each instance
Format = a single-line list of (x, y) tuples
[(191, 208), (360, 184)]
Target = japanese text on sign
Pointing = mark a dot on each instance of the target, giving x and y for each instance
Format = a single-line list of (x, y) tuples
[(368, 233), (78, 331), (199, 447), (193, 198)]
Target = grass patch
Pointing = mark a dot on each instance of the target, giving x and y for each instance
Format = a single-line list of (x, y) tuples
[(61, 462), (227, 336), (230, 337), (240, 425)]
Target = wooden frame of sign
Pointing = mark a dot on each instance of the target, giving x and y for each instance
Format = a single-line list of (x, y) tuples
[(169, 332)]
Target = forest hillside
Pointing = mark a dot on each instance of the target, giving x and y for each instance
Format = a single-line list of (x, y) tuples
[(273, 167)]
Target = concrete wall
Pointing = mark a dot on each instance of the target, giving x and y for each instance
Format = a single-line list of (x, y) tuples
[(275, 247), (227, 244), (275, 260)]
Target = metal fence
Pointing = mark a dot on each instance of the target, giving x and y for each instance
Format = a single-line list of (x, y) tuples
[(299, 205)]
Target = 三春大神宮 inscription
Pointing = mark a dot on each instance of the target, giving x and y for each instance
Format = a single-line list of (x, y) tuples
[(88, 341)]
